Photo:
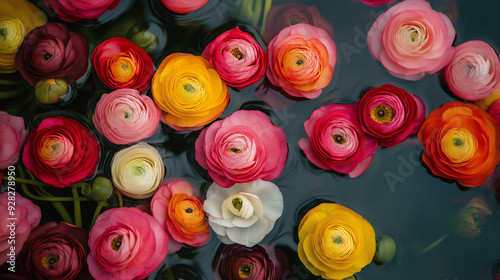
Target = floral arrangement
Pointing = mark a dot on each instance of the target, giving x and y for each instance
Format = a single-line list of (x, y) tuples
[(179, 136)]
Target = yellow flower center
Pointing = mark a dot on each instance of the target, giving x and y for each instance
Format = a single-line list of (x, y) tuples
[(459, 145), (49, 259), (246, 270), (237, 203), (237, 53), (339, 139), (382, 113), (117, 242), (11, 34), (339, 241), (122, 67)]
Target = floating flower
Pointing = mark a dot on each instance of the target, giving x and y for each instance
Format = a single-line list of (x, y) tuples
[(120, 63), (474, 71), (411, 39), (336, 140), (17, 18), (461, 143), (183, 6), (27, 216), (11, 140), (467, 222), (240, 262), (301, 60), (244, 213), (76, 10), (61, 152), (375, 2), (126, 244), (125, 116), (486, 102), (237, 57), (53, 51), (389, 114), (335, 242), (189, 91), (179, 209), (243, 147), (137, 171)]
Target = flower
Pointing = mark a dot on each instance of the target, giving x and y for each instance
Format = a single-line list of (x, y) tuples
[(179, 209), (336, 140), (61, 152), (137, 171), (244, 213), (375, 2), (281, 16), (76, 10), (411, 39), (189, 91), (335, 242), (240, 262), (301, 60), (56, 251), (237, 57), (17, 18), (183, 6), (27, 216), (474, 70), (11, 140), (486, 102), (53, 51), (389, 114), (126, 243), (494, 111), (120, 63), (467, 222), (461, 143), (125, 116)]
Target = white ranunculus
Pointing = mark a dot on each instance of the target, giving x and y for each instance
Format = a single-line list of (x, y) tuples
[(243, 213)]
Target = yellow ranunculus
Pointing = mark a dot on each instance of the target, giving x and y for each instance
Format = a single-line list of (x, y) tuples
[(189, 91), (335, 242), (17, 18)]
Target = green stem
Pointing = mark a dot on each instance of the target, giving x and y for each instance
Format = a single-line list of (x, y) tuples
[(31, 182), (432, 245), (78, 212), (59, 206), (120, 198), (100, 204)]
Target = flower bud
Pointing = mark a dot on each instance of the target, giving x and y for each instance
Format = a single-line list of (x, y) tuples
[(143, 38), (386, 249), (49, 91), (467, 222), (101, 189)]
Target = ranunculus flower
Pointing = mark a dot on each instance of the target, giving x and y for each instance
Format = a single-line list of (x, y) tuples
[(120, 63), (335, 242), (179, 209), (240, 262), (27, 217), (76, 10), (281, 16), (237, 57), (17, 18), (11, 139), (461, 143), (494, 111), (244, 213), (301, 60), (125, 116), (243, 147), (375, 2), (486, 102), (467, 222), (137, 171), (183, 6), (189, 91), (56, 251), (389, 114), (411, 39), (53, 51), (61, 152), (126, 244), (336, 140), (474, 70)]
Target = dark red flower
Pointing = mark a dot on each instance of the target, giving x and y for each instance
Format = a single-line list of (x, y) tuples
[(240, 262)]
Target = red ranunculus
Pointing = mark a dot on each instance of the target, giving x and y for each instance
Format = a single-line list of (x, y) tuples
[(76, 10), (240, 262)]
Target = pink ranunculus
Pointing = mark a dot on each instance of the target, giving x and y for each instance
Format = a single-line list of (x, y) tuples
[(301, 60), (375, 2), (183, 6), (237, 57), (178, 206), (390, 114), (474, 70), (11, 139), (125, 116), (337, 141), (411, 39), (244, 147), (27, 216), (494, 110), (76, 10), (125, 244)]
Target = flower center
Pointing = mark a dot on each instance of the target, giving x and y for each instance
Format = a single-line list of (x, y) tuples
[(237, 203), (299, 62), (294, 19), (189, 88), (235, 150), (138, 171), (128, 113), (339, 139), (459, 145), (3, 33), (413, 36), (49, 259), (237, 53), (189, 210), (246, 270), (46, 56), (382, 113), (117, 242)]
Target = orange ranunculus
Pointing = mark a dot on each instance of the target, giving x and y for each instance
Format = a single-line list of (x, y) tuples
[(335, 242), (461, 143), (189, 91)]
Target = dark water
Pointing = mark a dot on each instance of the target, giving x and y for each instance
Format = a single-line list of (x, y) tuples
[(415, 209)]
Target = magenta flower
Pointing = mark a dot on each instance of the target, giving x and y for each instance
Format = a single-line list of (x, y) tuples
[(375, 2), (336, 140), (244, 147), (11, 140), (494, 110), (76, 10), (183, 6)]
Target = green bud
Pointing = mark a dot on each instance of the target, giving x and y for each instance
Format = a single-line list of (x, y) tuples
[(144, 39), (49, 91), (386, 249), (101, 189)]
